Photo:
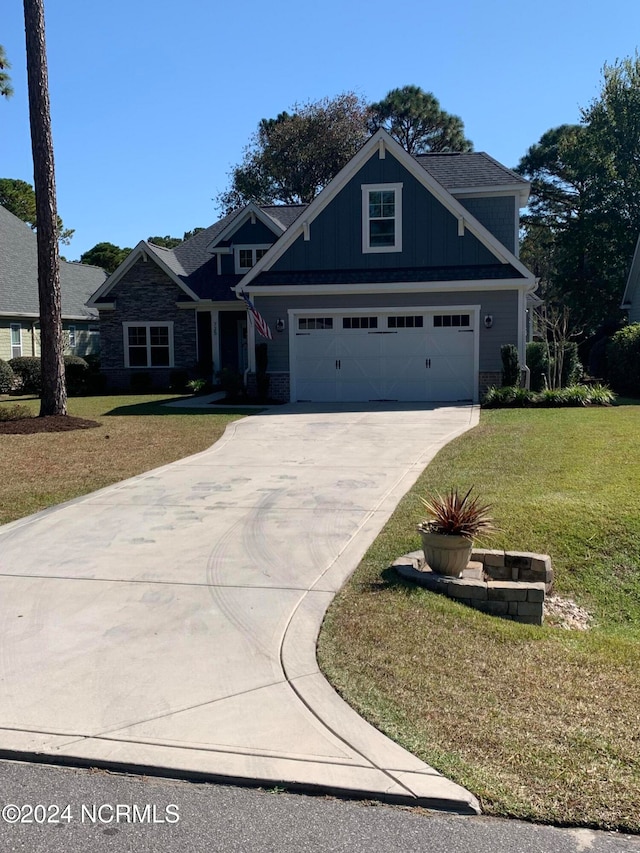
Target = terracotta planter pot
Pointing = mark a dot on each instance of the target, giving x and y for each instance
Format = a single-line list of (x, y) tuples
[(446, 555)]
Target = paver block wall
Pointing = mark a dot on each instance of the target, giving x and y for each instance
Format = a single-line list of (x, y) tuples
[(510, 584)]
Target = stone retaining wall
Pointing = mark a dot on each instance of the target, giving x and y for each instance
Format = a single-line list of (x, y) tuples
[(510, 584)]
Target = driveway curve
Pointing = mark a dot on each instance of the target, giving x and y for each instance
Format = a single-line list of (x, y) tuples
[(168, 623)]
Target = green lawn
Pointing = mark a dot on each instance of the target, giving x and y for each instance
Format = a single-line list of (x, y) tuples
[(540, 723), (136, 434)]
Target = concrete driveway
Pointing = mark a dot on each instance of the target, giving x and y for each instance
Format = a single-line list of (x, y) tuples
[(169, 621)]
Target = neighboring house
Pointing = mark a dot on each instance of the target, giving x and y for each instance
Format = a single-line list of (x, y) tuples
[(19, 308), (631, 298), (400, 281)]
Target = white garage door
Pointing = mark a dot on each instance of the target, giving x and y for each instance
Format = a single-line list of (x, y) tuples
[(427, 356)]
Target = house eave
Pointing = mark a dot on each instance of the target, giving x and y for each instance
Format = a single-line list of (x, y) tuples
[(526, 285), (31, 315)]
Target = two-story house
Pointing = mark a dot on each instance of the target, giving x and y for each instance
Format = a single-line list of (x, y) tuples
[(400, 281)]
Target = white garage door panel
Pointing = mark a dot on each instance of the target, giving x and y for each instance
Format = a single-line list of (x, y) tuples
[(317, 365), (357, 365), (360, 365), (451, 374)]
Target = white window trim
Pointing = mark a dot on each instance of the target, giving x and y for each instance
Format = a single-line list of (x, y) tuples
[(73, 340), (166, 324), (252, 248), (366, 189), (13, 327)]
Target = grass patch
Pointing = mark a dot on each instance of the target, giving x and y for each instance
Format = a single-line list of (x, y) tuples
[(540, 723), (135, 435)]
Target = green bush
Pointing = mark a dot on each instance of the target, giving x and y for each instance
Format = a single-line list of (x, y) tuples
[(538, 364), (27, 369), (232, 383), (623, 360), (541, 363), (577, 395), (571, 367), (76, 375), (508, 396), (197, 386), (510, 365), (7, 377), (15, 413)]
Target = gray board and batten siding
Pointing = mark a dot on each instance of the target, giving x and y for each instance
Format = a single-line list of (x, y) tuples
[(500, 215), (429, 233), (502, 305)]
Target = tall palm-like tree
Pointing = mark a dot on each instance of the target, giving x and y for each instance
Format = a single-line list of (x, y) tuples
[(54, 394), (6, 88)]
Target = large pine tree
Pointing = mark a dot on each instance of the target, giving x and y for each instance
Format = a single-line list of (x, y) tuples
[(54, 394)]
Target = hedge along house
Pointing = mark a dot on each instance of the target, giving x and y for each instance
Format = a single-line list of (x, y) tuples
[(400, 281), (19, 306)]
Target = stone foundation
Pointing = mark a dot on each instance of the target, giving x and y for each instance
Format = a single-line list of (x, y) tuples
[(510, 584), (278, 386), (487, 379)]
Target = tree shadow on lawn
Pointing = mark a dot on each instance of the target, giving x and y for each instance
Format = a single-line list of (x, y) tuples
[(159, 407)]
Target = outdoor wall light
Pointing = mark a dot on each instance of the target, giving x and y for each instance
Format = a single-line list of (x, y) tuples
[(279, 325), (488, 321)]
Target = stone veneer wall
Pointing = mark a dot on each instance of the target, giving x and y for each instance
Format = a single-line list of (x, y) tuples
[(146, 294), (510, 584)]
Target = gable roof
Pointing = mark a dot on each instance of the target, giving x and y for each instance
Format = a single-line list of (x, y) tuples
[(631, 288), (381, 141), (191, 264), (19, 275)]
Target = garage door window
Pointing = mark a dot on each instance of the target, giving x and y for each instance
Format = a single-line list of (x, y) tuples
[(307, 323), (442, 320), (411, 322), (359, 322)]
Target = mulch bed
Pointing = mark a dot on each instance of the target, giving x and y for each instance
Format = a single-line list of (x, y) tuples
[(50, 423)]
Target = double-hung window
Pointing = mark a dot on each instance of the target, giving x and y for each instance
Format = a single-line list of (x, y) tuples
[(148, 344), (16, 340), (248, 256), (382, 218)]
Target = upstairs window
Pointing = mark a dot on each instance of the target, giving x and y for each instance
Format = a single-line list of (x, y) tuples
[(248, 257), (382, 218)]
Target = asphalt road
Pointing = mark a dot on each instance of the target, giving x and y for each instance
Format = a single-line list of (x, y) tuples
[(63, 810)]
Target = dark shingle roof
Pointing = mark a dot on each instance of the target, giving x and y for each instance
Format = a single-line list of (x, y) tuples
[(19, 274), (468, 169), (194, 265)]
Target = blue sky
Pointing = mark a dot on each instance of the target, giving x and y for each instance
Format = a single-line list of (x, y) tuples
[(152, 102)]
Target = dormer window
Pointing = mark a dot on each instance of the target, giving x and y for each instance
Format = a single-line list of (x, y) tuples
[(248, 256), (382, 218)]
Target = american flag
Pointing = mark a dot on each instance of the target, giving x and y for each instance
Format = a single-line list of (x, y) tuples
[(258, 320)]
